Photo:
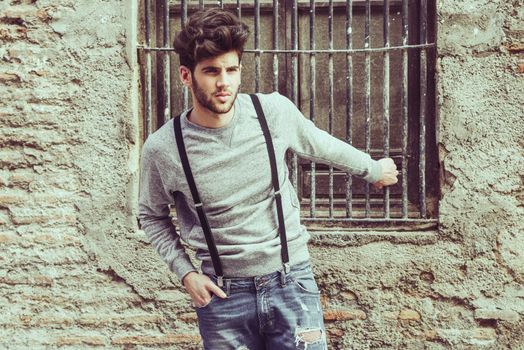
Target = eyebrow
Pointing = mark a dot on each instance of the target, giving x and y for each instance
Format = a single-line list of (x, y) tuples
[(218, 68)]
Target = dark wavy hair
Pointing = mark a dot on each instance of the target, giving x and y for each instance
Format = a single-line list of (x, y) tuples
[(208, 33)]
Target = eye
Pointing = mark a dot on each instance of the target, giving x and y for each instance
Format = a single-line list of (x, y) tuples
[(210, 71)]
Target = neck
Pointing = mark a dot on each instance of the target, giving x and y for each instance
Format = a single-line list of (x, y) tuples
[(208, 119)]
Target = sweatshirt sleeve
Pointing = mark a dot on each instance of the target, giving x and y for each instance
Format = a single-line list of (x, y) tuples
[(310, 142), (153, 214)]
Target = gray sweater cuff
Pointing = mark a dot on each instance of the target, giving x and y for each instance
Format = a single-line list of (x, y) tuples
[(375, 172), (182, 268)]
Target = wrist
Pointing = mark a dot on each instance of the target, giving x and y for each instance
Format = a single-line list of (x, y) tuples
[(189, 274)]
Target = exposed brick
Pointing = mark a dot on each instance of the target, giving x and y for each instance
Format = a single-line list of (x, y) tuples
[(21, 179), (349, 296), (335, 332), (7, 199), (431, 334), (4, 218), (11, 159), (97, 321), (44, 219), (409, 315), (103, 320), (21, 12), (190, 317), (484, 333), (504, 315), (157, 340), (43, 280), (40, 139), (38, 280), (60, 322), (520, 67), (44, 239), (80, 340), (43, 14), (344, 315), (5, 35), (8, 238), (9, 78), (324, 300)]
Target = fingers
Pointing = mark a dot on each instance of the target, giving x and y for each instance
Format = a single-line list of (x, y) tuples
[(378, 185), (389, 173), (203, 296), (213, 288), (201, 289)]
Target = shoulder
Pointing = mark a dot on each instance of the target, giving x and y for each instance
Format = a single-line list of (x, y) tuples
[(274, 102), (160, 142), (277, 107)]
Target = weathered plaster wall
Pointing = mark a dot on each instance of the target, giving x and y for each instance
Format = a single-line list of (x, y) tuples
[(68, 158), (463, 286), (76, 273)]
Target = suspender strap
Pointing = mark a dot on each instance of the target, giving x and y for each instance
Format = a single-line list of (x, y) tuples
[(274, 178), (198, 203), (217, 265)]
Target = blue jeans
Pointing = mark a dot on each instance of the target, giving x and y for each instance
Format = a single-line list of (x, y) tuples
[(265, 312)]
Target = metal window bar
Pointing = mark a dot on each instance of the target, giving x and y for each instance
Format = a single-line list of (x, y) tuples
[(423, 100), (404, 101), (385, 101), (349, 101), (367, 81), (408, 210), (257, 45), (164, 103), (275, 44), (312, 100), (294, 81), (331, 100), (148, 120)]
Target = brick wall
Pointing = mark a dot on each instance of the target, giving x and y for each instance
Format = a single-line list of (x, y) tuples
[(77, 274)]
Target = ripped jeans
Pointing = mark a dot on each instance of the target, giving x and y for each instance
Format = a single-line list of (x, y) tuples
[(263, 313)]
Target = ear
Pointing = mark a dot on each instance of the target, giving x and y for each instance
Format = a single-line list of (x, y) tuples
[(185, 75)]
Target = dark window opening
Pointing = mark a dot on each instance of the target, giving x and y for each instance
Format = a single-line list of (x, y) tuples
[(363, 70)]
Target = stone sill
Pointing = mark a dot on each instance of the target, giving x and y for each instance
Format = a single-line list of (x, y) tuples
[(343, 238)]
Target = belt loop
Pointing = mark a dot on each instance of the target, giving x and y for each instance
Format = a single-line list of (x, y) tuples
[(283, 273), (220, 281)]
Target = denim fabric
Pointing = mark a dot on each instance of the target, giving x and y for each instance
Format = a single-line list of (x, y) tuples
[(263, 313)]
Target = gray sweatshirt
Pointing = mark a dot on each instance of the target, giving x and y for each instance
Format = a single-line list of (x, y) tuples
[(233, 176)]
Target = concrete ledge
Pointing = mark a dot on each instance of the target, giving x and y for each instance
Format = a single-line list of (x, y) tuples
[(359, 238)]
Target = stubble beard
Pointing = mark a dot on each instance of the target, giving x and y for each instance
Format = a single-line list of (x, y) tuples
[(207, 102)]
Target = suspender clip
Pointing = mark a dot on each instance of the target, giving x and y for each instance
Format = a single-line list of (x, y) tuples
[(198, 205), (287, 268), (220, 281)]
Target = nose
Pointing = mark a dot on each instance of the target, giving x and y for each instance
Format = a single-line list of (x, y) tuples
[(223, 80)]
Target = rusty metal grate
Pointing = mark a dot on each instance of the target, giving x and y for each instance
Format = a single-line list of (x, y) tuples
[(285, 54)]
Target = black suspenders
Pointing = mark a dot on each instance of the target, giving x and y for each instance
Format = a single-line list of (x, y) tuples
[(217, 265)]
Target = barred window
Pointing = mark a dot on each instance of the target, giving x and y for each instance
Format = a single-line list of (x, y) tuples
[(363, 70)]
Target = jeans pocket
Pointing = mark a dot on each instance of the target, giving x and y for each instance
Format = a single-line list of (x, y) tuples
[(213, 297), (306, 283)]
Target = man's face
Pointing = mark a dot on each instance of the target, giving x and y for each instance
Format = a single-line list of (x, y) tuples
[(215, 83)]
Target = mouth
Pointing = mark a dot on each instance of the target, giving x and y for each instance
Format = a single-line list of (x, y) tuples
[(222, 96)]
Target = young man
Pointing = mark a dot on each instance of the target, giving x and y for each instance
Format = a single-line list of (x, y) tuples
[(256, 290)]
